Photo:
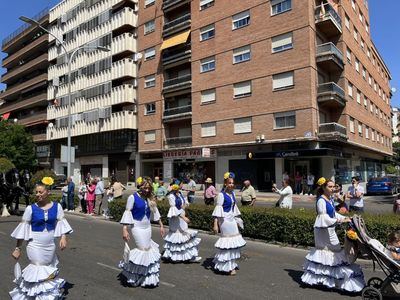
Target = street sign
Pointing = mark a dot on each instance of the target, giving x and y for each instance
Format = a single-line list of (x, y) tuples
[(206, 152), (64, 154)]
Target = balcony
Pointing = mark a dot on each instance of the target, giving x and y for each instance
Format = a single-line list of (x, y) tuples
[(177, 25), (177, 142), (330, 58), (17, 88), (173, 57), (39, 137), (180, 112), (172, 4), (23, 103), (328, 20), (119, 120), (36, 63), (332, 131), (39, 117), (178, 83), (331, 95), (123, 43)]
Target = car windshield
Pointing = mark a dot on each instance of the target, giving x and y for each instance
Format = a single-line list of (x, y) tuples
[(379, 179)]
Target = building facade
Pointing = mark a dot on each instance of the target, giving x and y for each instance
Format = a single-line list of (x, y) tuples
[(103, 84), (395, 124), (260, 88), (25, 98)]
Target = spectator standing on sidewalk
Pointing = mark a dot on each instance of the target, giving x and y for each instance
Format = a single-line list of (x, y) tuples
[(156, 184), (355, 193), (71, 195), (117, 188), (161, 191), (91, 196), (64, 196), (248, 197), (310, 183), (191, 188), (82, 196), (99, 192), (285, 193), (298, 178), (209, 192)]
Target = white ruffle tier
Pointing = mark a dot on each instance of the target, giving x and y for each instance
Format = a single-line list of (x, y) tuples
[(180, 246), (230, 242), (174, 212), (62, 227), (143, 267), (331, 269), (228, 252)]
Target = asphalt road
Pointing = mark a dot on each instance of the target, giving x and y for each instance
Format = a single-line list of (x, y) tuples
[(89, 265)]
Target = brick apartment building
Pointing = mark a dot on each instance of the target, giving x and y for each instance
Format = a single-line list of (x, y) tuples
[(25, 98), (103, 107), (260, 87)]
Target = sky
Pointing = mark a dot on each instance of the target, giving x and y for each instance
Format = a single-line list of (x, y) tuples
[(385, 29)]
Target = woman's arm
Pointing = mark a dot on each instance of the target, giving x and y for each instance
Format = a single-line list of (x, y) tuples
[(395, 255), (17, 251), (215, 227)]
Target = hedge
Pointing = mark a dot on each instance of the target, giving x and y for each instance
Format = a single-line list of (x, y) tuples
[(56, 197), (292, 227)]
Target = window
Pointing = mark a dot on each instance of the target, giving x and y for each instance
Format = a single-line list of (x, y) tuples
[(207, 64), (366, 132), (149, 53), (361, 17), (280, 6), (208, 96), (375, 89), (242, 125), (350, 89), (360, 129), (366, 27), (241, 20), (149, 27), (366, 102), (353, 4), (347, 22), (282, 81), (282, 42), (208, 129), (370, 79), (149, 136), (241, 54), (371, 107), (148, 2), (285, 120), (372, 135), (358, 97), (150, 81), (369, 53), (207, 32), (364, 73), (351, 125), (348, 54), (242, 89), (150, 109), (362, 43), (357, 65), (355, 34), (206, 3)]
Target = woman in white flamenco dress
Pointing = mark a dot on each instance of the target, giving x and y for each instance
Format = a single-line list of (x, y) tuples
[(42, 222), (327, 263), (227, 221), (181, 242), (141, 266)]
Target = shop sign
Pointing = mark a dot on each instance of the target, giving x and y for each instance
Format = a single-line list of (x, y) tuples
[(205, 152), (188, 154), (43, 151)]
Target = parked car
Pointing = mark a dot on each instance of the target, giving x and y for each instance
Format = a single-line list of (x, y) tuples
[(60, 181), (383, 185)]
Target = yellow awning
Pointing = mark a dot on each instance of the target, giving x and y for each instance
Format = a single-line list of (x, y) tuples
[(175, 40)]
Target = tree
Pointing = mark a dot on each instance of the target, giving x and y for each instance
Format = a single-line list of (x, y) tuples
[(5, 165), (17, 145)]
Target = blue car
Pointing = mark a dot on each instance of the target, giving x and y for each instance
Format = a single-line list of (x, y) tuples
[(382, 185)]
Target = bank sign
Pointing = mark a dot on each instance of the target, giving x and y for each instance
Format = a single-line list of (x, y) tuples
[(189, 154)]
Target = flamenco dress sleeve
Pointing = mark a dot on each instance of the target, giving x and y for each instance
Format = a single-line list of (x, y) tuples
[(323, 220), (173, 210), (24, 229), (218, 210), (155, 215), (62, 226), (127, 218)]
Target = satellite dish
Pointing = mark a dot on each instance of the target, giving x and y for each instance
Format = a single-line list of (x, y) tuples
[(393, 89)]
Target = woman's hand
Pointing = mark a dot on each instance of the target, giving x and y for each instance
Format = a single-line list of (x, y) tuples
[(216, 228), (16, 253), (125, 234), (186, 219), (63, 242), (162, 231)]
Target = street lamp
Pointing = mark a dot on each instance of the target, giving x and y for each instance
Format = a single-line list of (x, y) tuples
[(70, 57)]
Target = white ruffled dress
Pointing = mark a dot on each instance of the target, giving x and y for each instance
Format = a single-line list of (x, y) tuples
[(327, 263), (231, 241), (39, 279), (141, 267), (181, 242)]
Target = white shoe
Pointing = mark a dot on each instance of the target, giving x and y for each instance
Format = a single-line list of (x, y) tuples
[(71, 210), (197, 259), (65, 209)]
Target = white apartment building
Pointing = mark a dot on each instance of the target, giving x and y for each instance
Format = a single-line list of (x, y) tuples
[(395, 124), (103, 86)]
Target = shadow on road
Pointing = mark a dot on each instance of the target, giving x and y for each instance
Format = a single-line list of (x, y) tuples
[(67, 286), (208, 263)]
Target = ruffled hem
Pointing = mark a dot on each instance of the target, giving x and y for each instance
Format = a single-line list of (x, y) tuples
[(62, 227), (227, 266), (185, 255), (127, 218), (178, 237), (223, 256), (327, 258), (22, 232), (49, 287), (145, 257), (174, 212), (337, 272), (140, 270), (151, 280), (352, 284), (34, 274), (194, 242), (232, 242)]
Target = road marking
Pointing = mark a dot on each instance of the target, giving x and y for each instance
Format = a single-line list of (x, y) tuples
[(116, 269), (3, 233)]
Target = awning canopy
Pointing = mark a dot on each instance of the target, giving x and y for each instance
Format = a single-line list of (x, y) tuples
[(175, 40), (5, 116)]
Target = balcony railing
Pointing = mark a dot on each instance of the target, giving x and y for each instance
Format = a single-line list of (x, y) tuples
[(330, 57), (326, 13), (25, 68), (173, 55), (172, 112), (178, 81), (21, 103), (177, 25), (178, 140), (332, 131), (20, 87), (330, 91), (170, 3), (329, 48)]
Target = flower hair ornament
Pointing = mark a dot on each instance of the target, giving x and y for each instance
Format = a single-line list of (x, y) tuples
[(48, 181), (229, 175), (139, 181), (321, 181), (175, 187)]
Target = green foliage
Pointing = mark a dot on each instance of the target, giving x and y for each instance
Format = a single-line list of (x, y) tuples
[(17, 145), (5, 165), (390, 169), (38, 176), (293, 227), (54, 196)]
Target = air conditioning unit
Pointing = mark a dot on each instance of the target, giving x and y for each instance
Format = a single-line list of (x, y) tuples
[(134, 83), (63, 18), (138, 56), (56, 81)]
